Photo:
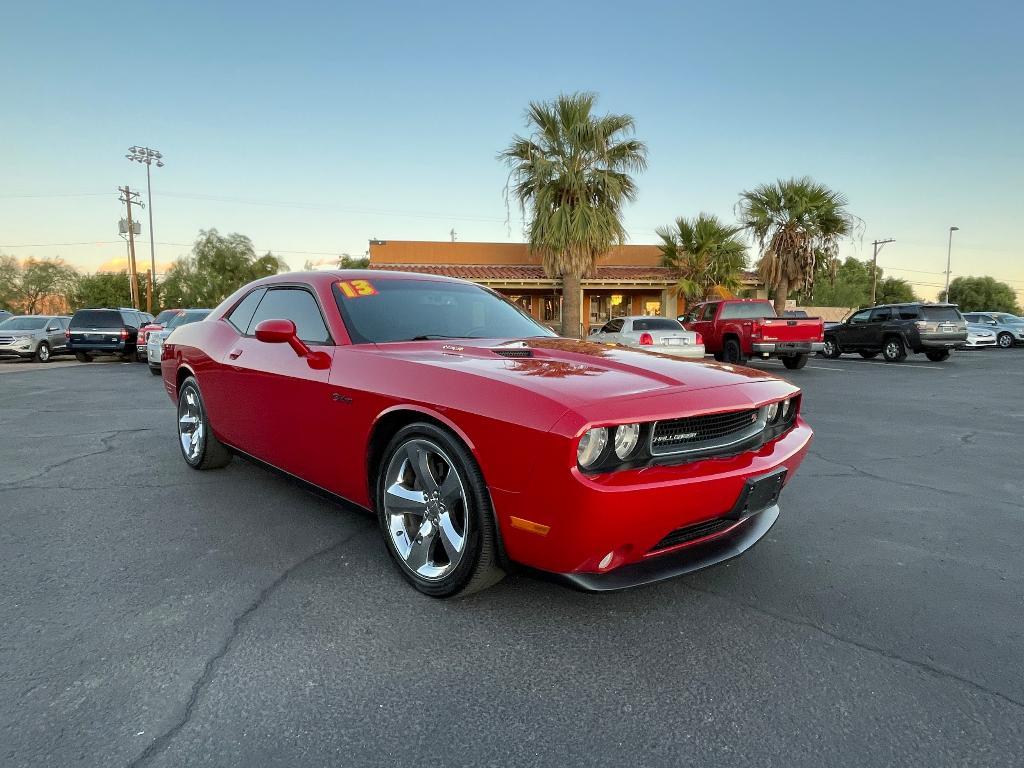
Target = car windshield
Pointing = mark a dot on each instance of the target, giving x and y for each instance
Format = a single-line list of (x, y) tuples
[(166, 316), (378, 311), (1008, 318), (23, 323), (189, 316), (657, 324)]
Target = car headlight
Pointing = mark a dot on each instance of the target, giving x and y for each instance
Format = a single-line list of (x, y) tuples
[(591, 446), (786, 405), (626, 437), (771, 412)]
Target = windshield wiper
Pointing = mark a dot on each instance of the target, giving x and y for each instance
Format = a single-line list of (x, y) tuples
[(433, 336)]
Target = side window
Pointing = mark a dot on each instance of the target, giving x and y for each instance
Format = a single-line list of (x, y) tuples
[(909, 313), (244, 310), (878, 315), (293, 304), (709, 312), (52, 325), (615, 326), (860, 317)]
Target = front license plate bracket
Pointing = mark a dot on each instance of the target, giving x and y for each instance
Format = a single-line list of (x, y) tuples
[(759, 493)]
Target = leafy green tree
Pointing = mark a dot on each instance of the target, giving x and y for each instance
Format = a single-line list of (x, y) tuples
[(893, 290), (571, 177), (974, 294), (348, 261), (217, 267), (795, 222), (104, 289), (705, 254), (10, 273), (28, 284)]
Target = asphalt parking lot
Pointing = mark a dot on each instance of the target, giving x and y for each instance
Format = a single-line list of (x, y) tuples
[(152, 615)]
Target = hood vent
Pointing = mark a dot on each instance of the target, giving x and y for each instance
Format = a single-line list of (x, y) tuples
[(514, 352)]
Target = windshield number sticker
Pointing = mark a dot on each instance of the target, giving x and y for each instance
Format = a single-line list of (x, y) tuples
[(353, 289)]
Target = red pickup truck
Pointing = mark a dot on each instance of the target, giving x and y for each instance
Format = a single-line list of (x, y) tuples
[(737, 329)]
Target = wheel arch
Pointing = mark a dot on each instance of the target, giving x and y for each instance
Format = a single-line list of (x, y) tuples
[(386, 426)]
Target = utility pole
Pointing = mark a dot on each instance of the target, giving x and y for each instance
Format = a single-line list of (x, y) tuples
[(949, 256), (874, 265), (453, 233), (148, 157), (130, 198)]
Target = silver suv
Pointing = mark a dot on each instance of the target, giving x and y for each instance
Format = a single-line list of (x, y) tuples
[(36, 337)]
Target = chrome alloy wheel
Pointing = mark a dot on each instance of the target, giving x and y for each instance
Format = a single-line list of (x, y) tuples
[(830, 348), (190, 424), (43, 353), (892, 349), (425, 509)]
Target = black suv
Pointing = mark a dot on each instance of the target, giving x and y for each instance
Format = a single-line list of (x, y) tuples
[(898, 329), (105, 332)]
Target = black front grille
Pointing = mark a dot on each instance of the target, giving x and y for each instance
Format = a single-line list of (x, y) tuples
[(700, 432), (693, 532), (514, 352)]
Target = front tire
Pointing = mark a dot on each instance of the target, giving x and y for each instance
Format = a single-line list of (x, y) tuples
[(199, 446), (937, 355), (435, 513), (42, 354), (1004, 340), (893, 350), (795, 362)]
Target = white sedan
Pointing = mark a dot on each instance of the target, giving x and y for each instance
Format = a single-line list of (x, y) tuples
[(654, 334)]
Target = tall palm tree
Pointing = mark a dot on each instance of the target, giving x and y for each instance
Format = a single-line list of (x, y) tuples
[(795, 223), (572, 176), (705, 254)]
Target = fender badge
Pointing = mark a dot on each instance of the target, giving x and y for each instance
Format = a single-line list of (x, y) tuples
[(452, 348)]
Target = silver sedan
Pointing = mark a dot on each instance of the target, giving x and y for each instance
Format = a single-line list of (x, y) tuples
[(652, 334)]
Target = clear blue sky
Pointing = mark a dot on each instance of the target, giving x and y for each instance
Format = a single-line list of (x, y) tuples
[(383, 119)]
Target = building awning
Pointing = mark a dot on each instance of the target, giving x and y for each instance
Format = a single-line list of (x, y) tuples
[(532, 276)]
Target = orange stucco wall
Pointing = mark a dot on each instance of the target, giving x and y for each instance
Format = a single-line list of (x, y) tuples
[(428, 252)]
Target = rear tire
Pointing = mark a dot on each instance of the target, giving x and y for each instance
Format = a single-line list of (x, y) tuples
[(412, 516), (1004, 340), (199, 446), (795, 362), (83, 357), (868, 355), (938, 355), (42, 354), (893, 350), (732, 353)]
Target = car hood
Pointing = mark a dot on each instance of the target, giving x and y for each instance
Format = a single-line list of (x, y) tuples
[(573, 372)]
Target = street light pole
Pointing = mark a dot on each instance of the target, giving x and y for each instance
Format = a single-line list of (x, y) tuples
[(949, 255), (148, 157)]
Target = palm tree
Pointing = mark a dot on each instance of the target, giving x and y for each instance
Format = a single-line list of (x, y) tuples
[(795, 222), (705, 254), (573, 174)]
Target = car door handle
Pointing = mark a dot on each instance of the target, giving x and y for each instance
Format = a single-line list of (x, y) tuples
[(234, 354)]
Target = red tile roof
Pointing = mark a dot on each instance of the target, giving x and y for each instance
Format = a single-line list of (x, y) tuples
[(521, 272)]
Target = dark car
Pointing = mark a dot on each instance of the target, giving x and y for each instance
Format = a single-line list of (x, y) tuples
[(105, 332), (896, 330)]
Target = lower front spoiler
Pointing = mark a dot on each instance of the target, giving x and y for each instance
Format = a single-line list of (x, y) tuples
[(681, 562)]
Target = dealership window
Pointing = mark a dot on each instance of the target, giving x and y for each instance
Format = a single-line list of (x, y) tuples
[(553, 309), (620, 305), (524, 302), (652, 307)]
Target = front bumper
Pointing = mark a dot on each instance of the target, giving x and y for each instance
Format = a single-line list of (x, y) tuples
[(592, 527), (787, 347), (975, 342)]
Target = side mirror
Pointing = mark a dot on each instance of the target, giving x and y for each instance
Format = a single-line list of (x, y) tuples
[(283, 332)]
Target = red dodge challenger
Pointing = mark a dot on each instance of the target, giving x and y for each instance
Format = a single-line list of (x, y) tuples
[(478, 438)]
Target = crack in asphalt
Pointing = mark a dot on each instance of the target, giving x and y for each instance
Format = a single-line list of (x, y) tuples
[(855, 470), (891, 655), (107, 447), (238, 623)]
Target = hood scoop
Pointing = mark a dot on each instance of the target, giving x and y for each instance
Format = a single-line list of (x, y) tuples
[(516, 352)]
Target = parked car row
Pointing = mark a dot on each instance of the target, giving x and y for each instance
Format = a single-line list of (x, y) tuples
[(155, 338)]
